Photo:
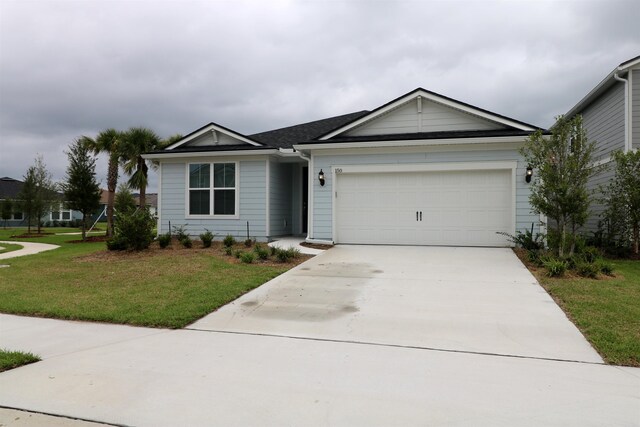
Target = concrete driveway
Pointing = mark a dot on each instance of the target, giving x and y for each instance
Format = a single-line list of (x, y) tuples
[(478, 300), (358, 336)]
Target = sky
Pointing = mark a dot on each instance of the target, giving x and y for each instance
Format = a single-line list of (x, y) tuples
[(73, 68)]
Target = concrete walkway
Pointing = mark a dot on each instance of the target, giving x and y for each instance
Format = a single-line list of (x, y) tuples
[(294, 242), (28, 248)]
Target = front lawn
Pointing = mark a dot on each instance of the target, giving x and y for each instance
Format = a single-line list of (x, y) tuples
[(14, 359), (159, 287), (607, 311)]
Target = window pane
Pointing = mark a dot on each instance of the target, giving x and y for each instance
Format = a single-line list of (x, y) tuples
[(199, 202), (55, 216), (224, 202), (199, 175), (17, 215), (66, 215), (224, 175)]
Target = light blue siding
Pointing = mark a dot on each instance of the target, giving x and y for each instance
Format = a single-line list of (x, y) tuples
[(635, 108), (280, 186), (296, 198), (596, 208), (322, 196), (252, 201), (603, 120)]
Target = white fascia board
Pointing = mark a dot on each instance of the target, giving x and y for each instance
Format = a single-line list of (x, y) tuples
[(596, 91), (174, 155), (408, 143), (434, 98), (209, 128)]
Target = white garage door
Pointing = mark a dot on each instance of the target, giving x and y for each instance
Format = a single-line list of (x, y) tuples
[(461, 208)]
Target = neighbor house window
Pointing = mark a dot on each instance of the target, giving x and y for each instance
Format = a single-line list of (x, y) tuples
[(212, 189), (18, 216), (61, 214)]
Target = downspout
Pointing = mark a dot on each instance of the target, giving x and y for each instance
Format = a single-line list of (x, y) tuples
[(627, 140)]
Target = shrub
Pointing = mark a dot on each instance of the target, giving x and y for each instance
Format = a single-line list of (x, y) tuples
[(555, 267), (590, 254), (180, 231), (133, 230), (534, 257), (261, 252), (229, 241), (526, 240), (248, 243), (238, 253), (186, 242), (604, 266), (588, 269), (206, 238), (273, 250), (247, 257), (164, 240), (228, 251)]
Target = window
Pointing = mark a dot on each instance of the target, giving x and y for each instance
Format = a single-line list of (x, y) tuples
[(212, 193), (61, 214), (18, 216)]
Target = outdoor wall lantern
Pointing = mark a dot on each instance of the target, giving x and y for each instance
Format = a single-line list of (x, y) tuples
[(321, 177), (529, 174)]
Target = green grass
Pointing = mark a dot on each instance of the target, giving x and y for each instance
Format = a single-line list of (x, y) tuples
[(607, 311), (14, 359), (159, 288)]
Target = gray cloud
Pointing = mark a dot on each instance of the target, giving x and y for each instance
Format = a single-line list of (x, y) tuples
[(69, 68)]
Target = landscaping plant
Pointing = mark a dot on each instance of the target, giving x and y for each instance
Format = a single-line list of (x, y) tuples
[(229, 241), (247, 257), (206, 238), (164, 240)]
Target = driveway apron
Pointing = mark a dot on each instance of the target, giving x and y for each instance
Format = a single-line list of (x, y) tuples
[(477, 300)]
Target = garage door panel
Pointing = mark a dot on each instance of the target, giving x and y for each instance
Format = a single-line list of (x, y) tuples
[(458, 207)]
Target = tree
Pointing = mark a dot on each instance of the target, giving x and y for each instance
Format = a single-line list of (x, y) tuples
[(81, 190), (6, 210), (108, 141), (136, 142), (563, 163), (38, 193), (125, 202), (622, 196)]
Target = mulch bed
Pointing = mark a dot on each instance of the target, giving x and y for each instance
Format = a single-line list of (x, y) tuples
[(90, 239), (315, 246), (30, 236)]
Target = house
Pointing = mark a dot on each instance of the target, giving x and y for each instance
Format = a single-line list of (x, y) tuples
[(611, 117), (422, 169), (10, 189), (101, 212)]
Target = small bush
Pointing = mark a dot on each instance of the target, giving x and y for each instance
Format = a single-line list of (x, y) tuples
[(273, 250), (248, 243), (186, 242), (261, 252), (526, 240), (164, 240), (228, 251), (180, 231), (555, 267), (282, 255), (238, 253), (590, 254), (229, 241), (247, 257), (534, 258), (573, 261), (604, 266), (293, 252), (133, 230), (588, 269), (206, 238)]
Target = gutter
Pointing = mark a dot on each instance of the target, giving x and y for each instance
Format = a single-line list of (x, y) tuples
[(627, 140)]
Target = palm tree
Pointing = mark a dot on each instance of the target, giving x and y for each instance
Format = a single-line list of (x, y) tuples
[(108, 141), (136, 142)]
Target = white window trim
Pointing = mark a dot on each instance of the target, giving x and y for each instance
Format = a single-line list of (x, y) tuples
[(13, 216), (61, 210), (211, 190)]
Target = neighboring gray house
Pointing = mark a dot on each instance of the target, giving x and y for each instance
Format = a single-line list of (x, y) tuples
[(10, 189), (611, 117), (423, 169)]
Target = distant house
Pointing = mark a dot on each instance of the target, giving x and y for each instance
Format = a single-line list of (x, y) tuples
[(611, 117), (10, 189), (101, 213)]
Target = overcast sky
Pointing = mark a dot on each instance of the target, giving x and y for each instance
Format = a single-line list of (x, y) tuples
[(71, 68)]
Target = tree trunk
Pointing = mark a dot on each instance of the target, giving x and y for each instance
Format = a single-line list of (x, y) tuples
[(112, 182), (142, 165), (573, 239), (562, 229), (636, 237), (84, 227)]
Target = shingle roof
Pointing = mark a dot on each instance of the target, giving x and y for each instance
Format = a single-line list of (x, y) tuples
[(9, 188), (286, 137)]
